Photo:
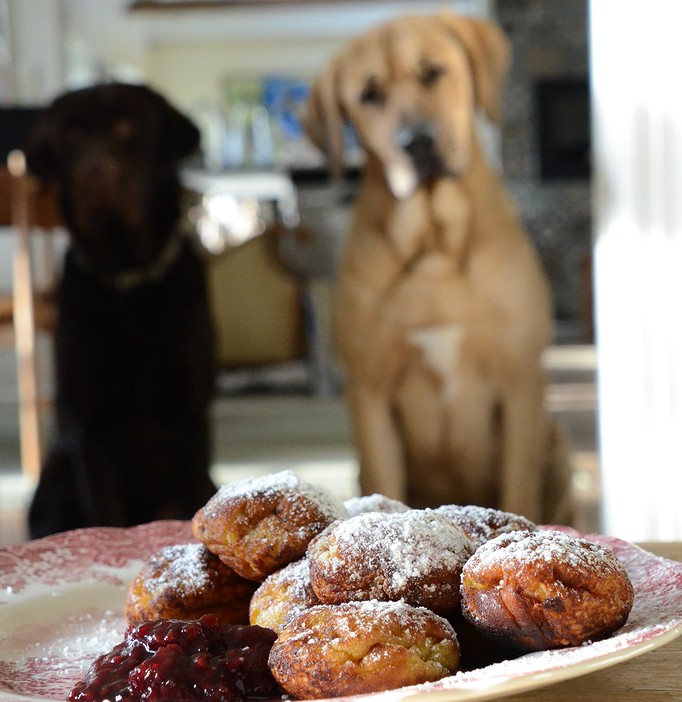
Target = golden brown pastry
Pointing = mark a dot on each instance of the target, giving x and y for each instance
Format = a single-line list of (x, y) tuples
[(481, 524), (545, 589), (185, 582), (362, 647), (282, 596), (416, 556), (257, 526)]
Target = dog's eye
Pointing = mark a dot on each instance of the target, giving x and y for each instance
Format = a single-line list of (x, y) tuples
[(431, 74), (123, 130), (372, 94)]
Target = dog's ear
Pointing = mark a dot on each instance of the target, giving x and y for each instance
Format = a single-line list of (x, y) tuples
[(323, 116), (185, 134), (39, 149), (180, 133), (489, 52)]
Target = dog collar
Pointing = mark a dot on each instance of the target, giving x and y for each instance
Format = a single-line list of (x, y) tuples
[(132, 278)]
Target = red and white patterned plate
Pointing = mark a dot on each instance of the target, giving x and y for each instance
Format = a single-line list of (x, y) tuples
[(61, 605)]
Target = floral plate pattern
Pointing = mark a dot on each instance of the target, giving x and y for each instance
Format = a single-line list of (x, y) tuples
[(61, 605)]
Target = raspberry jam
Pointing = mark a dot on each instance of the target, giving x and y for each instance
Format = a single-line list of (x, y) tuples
[(169, 660)]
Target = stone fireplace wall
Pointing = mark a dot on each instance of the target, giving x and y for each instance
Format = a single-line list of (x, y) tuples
[(549, 42)]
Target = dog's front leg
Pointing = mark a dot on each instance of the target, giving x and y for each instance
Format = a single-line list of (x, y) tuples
[(523, 431), (378, 442)]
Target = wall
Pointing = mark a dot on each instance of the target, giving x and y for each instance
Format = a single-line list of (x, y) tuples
[(36, 69), (188, 54), (68, 43)]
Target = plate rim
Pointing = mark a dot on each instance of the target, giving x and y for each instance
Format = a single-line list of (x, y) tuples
[(538, 679), (500, 685)]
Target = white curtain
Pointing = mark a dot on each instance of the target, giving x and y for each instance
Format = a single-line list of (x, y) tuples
[(636, 59)]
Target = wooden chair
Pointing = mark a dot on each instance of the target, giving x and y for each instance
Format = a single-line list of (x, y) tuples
[(34, 215)]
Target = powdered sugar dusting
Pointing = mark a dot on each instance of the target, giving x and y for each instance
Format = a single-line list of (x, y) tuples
[(481, 524), (410, 544), (521, 548), (279, 484), (282, 596), (182, 569), (297, 576), (416, 556), (373, 503), (353, 620)]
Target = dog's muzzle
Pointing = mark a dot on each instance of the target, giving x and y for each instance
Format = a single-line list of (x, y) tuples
[(419, 142)]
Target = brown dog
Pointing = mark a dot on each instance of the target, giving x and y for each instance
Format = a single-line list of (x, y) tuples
[(443, 309), (134, 347)]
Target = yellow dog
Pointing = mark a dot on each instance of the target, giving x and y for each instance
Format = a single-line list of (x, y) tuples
[(442, 307)]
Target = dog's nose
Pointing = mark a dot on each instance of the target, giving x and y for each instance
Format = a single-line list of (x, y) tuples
[(418, 140)]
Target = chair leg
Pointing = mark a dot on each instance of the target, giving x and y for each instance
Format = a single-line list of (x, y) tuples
[(25, 339), (27, 372)]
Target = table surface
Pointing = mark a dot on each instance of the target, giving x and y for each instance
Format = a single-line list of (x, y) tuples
[(651, 677)]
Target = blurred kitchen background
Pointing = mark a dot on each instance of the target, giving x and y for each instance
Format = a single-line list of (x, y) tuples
[(241, 70)]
